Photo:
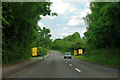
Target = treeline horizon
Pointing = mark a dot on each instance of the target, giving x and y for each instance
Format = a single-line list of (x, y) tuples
[(68, 43)]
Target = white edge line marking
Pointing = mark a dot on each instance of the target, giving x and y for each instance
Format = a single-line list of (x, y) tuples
[(70, 64), (77, 69)]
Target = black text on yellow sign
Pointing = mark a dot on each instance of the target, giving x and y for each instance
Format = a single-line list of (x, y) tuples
[(34, 51), (80, 51), (75, 52)]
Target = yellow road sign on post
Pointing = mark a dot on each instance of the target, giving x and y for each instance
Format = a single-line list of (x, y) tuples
[(80, 51), (34, 51), (75, 52)]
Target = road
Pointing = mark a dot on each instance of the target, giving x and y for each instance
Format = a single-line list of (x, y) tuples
[(55, 66)]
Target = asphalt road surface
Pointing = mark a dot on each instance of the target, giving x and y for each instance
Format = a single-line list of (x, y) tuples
[(55, 66)]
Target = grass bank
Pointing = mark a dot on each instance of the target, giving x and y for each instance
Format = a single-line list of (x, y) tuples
[(107, 57)]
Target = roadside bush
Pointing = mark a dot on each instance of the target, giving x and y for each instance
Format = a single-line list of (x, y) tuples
[(41, 51), (105, 56)]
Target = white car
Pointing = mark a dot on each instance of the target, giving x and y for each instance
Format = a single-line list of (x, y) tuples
[(67, 55)]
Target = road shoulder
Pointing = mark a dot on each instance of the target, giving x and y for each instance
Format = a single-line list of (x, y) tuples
[(11, 69)]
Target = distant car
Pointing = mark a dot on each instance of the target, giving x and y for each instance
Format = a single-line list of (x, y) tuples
[(67, 55)]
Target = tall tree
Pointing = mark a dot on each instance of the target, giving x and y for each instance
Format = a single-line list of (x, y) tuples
[(44, 38), (103, 25), (20, 28)]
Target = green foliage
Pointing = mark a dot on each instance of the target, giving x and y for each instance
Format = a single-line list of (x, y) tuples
[(68, 44), (103, 33), (103, 29), (103, 56), (44, 38), (41, 51), (19, 28)]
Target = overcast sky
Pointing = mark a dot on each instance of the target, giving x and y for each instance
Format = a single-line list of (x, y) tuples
[(69, 19)]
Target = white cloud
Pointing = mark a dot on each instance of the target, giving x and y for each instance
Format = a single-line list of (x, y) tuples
[(62, 8), (76, 22), (60, 32), (57, 24), (69, 14), (65, 28), (86, 11), (40, 24), (70, 1), (63, 34), (59, 8), (77, 19), (82, 32)]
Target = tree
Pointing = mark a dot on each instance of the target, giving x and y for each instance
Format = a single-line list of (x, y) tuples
[(103, 22), (69, 43), (44, 38), (20, 28)]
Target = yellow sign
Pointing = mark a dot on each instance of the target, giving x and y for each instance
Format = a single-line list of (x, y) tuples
[(80, 51), (75, 52), (34, 51)]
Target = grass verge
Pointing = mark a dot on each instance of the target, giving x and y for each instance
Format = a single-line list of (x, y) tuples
[(35, 57), (112, 63)]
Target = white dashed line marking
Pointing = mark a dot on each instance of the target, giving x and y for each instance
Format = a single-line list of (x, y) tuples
[(77, 69), (70, 64)]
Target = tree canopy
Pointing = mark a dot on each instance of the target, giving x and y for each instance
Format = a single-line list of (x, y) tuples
[(69, 43), (103, 25), (20, 29)]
